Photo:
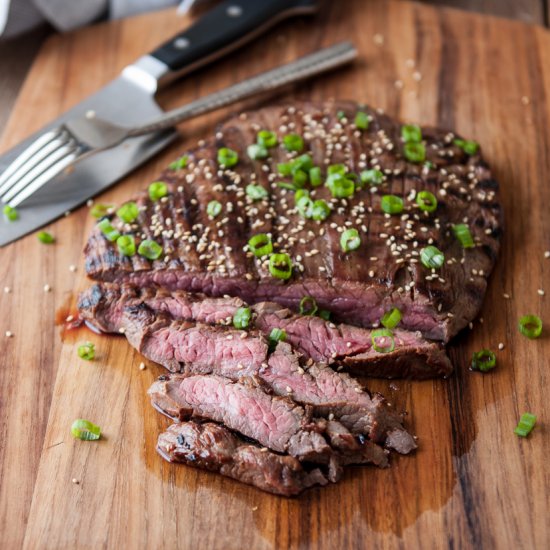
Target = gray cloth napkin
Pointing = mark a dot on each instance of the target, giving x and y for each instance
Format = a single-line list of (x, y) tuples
[(65, 15)]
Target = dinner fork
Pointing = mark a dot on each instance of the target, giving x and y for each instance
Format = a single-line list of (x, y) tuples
[(57, 150)]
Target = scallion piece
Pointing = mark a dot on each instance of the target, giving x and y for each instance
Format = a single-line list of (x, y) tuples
[(431, 257), (213, 209), (110, 232), (45, 237), (157, 190), (391, 204), (150, 249), (382, 340), (256, 192), (415, 152), (266, 138), (126, 245), (361, 120), (299, 178), (276, 335), (320, 210), (391, 318), (411, 133), (85, 430), (227, 157), (469, 146), (241, 318), (260, 245), (337, 169), (324, 314), (308, 306), (304, 205), (525, 425), (286, 185), (128, 212), (256, 151), (100, 210), (179, 163), (86, 351), (341, 187), (315, 176), (484, 360), (426, 201), (10, 213), (350, 240), (293, 142), (374, 176), (462, 233), (280, 266), (530, 326), (284, 168)]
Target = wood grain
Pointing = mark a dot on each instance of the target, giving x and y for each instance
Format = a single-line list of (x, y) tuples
[(472, 484)]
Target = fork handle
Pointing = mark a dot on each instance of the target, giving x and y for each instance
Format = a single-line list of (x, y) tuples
[(301, 69)]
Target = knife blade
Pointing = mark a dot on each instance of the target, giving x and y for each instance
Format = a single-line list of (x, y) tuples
[(130, 100)]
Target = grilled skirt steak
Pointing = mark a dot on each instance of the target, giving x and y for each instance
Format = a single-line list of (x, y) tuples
[(103, 306), (362, 252), (274, 422), (213, 447)]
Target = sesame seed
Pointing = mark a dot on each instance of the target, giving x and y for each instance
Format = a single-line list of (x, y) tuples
[(121, 330), (378, 39), (7, 289), (288, 389), (331, 416), (9, 333), (501, 346), (69, 318), (540, 291), (72, 268), (47, 288), (142, 366), (506, 296), (417, 76), (547, 254), (75, 481)]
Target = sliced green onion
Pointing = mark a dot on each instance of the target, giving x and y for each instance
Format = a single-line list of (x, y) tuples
[(415, 152), (111, 233), (469, 146), (126, 245), (431, 257), (315, 176), (340, 115), (379, 343), (150, 249), (462, 233), (391, 204), (284, 168), (179, 163), (391, 318), (374, 177), (85, 430), (429, 165), (320, 210), (157, 190), (256, 151), (260, 245), (300, 193), (242, 317), (337, 169), (286, 185), (10, 213), (213, 209), (256, 192), (299, 178), (411, 133), (525, 425), (293, 142), (340, 186), (530, 326), (280, 266), (303, 162), (350, 240), (86, 351), (426, 201), (100, 210), (45, 237), (227, 157), (128, 212), (266, 138), (276, 335), (361, 121), (324, 314), (484, 360), (308, 306)]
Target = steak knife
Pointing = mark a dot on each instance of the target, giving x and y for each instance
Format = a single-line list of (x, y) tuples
[(130, 100)]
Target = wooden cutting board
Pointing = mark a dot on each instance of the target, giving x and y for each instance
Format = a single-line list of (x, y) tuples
[(472, 483)]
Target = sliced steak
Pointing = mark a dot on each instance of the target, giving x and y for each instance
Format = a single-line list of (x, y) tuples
[(210, 254), (318, 339), (213, 447), (274, 422)]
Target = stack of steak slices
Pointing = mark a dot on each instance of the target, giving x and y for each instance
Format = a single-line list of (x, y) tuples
[(283, 416)]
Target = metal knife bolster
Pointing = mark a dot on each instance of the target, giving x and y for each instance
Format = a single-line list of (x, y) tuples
[(222, 30)]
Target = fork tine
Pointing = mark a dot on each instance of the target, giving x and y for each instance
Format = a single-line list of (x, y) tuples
[(58, 155), (27, 155)]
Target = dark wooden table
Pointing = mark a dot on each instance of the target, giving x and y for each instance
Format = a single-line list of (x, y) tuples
[(16, 56)]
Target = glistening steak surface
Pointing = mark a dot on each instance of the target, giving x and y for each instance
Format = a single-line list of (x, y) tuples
[(210, 254), (103, 306)]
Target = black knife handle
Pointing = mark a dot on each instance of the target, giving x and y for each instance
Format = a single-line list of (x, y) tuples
[(225, 28)]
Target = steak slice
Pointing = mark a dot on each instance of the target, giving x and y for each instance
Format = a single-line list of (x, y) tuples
[(210, 254), (342, 345), (213, 447), (274, 422)]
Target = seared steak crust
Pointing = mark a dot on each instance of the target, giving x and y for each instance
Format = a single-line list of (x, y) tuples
[(210, 255)]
